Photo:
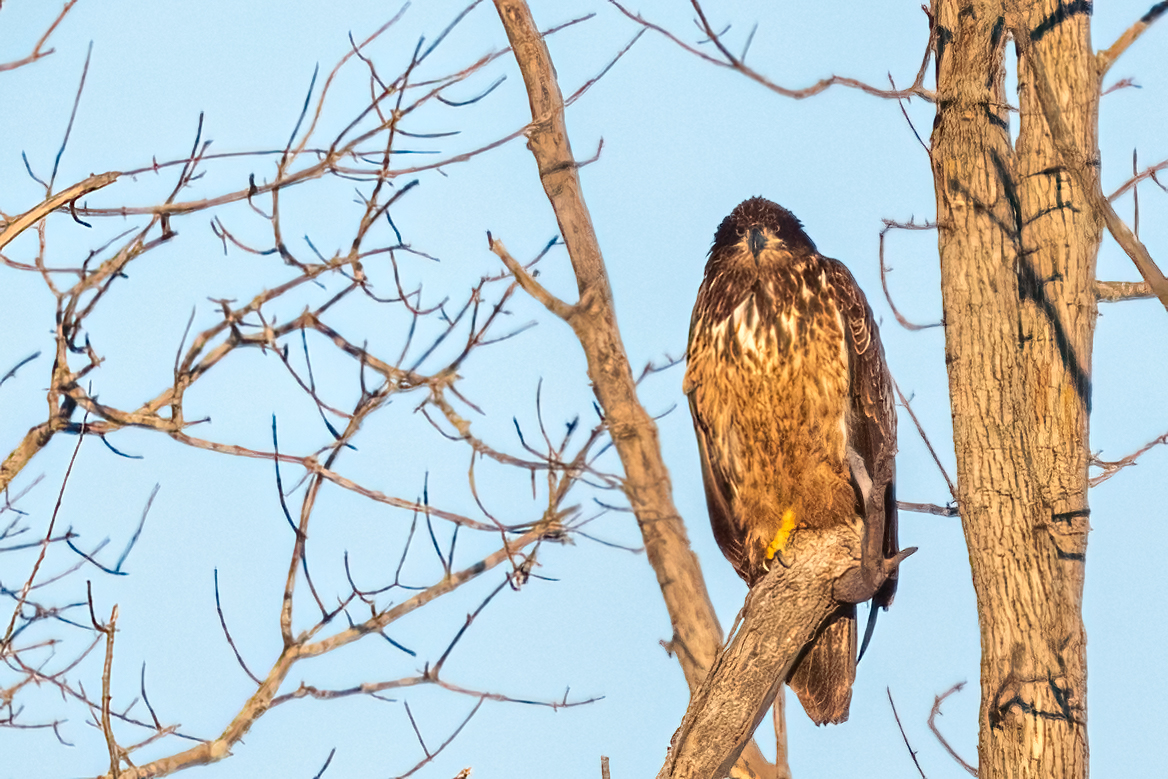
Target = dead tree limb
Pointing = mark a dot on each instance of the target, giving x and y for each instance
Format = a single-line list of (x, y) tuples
[(1106, 58), (1115, 291), (696, 632), (64, 197), (781, 615)]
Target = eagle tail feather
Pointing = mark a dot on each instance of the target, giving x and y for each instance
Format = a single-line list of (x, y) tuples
[(823, 675), (873, 611)]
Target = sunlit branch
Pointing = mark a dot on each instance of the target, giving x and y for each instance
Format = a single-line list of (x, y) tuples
[(1106, 58), (38, 50)]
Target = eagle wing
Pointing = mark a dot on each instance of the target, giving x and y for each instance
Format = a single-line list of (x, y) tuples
[(727, 532), (871, 432), (717, 457)]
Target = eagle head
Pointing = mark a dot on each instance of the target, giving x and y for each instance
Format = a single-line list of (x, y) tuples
[(758, 223)]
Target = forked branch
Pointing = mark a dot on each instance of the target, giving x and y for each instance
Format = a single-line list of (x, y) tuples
[(1114, 467), (936, 712), (38, 50)]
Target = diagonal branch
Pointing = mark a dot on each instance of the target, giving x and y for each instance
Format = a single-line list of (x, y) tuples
[(921, 431), (1106, 58), (1112, 468), (911, 752), (39, 51), (1147, 173), (1085, 177), (528, 282), (696, 632), (39, 212), (781, 615)]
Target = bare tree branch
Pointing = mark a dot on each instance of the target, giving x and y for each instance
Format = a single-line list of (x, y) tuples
[(38, 50), (904, 735), (1112, 468), (921, 431), (936, 711), (929, 508), (1115, 291), (1086, 178), (1147, 173), (781, 615), (528, 282), (697, 635), (44, 548), (1106, 58), (107, 728), (737, 63), (64, 197), (890, 225)]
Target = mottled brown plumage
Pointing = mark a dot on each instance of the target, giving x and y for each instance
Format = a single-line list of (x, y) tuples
[(792, 405)]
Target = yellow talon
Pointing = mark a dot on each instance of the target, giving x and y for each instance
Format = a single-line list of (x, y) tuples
[(786, 528)]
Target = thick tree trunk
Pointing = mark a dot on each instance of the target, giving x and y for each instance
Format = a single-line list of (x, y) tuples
[(1018, 241)]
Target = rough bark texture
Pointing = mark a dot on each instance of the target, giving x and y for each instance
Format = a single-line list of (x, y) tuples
[(781, 615), (1018, 239), (697, 635)]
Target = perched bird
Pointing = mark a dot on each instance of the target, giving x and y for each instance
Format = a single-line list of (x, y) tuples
[(792, 404)]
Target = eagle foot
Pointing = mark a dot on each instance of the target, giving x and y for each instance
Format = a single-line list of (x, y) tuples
[(860, 583), (776, 557), (782, 539)]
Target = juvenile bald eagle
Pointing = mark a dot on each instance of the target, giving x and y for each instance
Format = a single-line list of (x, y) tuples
[(792, 404)]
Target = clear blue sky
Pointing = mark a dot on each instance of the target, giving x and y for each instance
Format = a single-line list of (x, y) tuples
[(683, 143)]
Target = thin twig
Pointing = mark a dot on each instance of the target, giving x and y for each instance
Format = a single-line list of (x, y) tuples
[(227, 633), (904, 735), (44, 544), (908, 407), (429, 757), (937, 732), (72, 117), (12, 371), (38, 50), (732, 62), (1112, 468), (890, 225)]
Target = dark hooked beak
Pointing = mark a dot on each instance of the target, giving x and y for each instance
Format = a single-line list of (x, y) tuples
[(756, 241)]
